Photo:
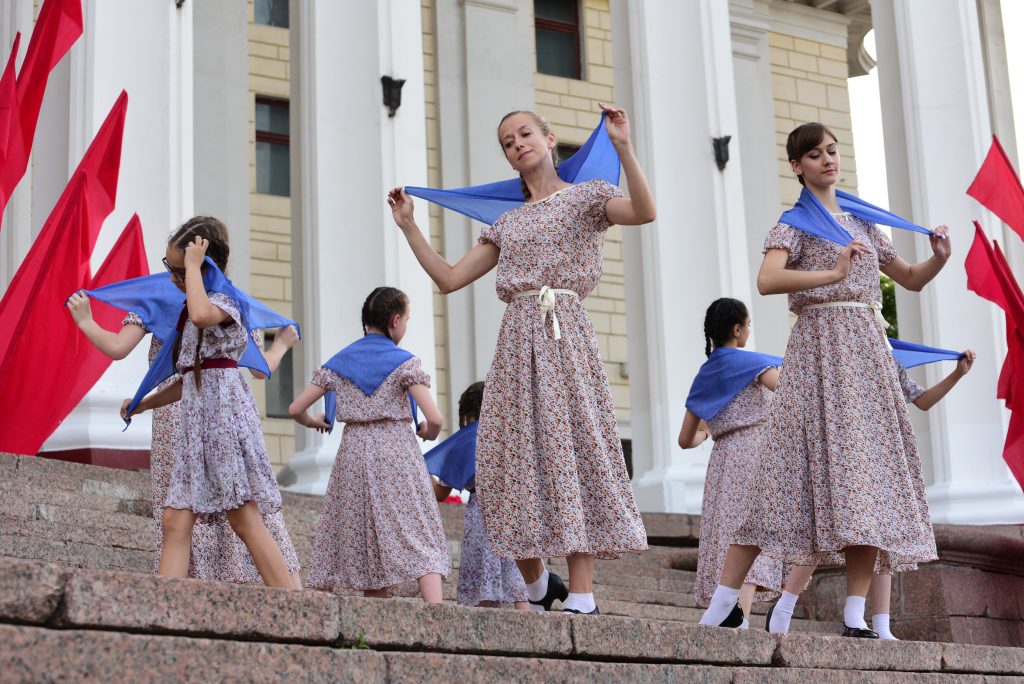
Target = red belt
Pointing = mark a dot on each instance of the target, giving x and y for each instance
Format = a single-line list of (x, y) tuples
[(212, 363)]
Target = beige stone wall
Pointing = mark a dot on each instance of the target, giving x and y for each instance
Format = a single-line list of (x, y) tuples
[(571, 107), (270, 216), (809, 84)]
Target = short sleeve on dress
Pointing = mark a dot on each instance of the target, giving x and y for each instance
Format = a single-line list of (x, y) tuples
[(257, 338), (911, 390), (226, 304), (326, 379), (491, 234), (882, 244), (784, 236), (134, 319), (411, 373), (597, 194)]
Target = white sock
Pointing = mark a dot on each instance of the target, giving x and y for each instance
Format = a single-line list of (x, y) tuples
[(581, 602), (538, 589), (745, 624), (722, 602), (880, 624), (853, 613), (783, 613)]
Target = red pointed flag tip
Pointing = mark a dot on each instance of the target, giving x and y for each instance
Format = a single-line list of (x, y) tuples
[(13, 158), (998, 188), (981, 270)]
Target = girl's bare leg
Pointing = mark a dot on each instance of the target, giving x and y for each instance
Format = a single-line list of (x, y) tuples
[(531, 569), (247, 522), (581, 573), (177, 544), (747, 598), (430, 587)]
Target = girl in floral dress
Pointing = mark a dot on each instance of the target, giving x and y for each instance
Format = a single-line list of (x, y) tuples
[(220, 465), (838, 473), (484, 579), (379, 526), (550, 469), (736, 428)]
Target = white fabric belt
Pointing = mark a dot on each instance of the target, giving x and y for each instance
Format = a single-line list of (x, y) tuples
[(546, 298), (876, 307)]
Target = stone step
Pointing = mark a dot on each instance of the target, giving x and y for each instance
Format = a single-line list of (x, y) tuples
[(636, 576), (692, 615), (75, 555), (141, 625)]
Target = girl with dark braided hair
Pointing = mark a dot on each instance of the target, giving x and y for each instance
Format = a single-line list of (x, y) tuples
[(220, 462), (379, 528), (728, 402)]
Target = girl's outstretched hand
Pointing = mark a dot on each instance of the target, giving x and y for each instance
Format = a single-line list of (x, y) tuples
[(401, 207), (195, 252), (939, 240), (319, 422), (846, 257), (963, 366), (287, 336), (78, 305), (616, 123), (124, 409)]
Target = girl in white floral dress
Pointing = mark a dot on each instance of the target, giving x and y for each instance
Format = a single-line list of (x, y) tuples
[(379, 527), (838, 473), (220, 460), (550, 469)]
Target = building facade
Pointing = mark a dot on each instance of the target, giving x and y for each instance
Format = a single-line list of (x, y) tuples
[(272, 118)]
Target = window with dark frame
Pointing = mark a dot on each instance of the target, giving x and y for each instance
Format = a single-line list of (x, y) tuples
[(627, 455), (565, 151), (271, 13), (273, 169), (557, 27), (279, 384)]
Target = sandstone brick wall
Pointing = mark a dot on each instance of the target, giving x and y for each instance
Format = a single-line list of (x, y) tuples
[(270, 216)]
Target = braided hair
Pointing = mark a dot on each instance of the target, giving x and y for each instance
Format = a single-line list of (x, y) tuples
[(719, 320), (545, 129), (380, 306), (469, 404), (216, 234)]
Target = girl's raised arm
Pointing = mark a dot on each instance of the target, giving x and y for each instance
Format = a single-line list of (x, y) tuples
[(116, 345)]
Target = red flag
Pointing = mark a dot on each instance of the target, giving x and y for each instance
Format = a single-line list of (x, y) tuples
[(99, 170), (127, 259), (998, 188), (989, 275), (13, 157), (46, 337)]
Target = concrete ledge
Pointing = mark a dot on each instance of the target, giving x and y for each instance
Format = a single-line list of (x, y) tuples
[(985, 659), (29, 591), (839, 653)]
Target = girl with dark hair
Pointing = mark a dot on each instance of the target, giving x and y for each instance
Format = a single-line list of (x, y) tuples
[(838, 474), (550, 469), (379, 526), (729, 401), (484, 578), (220, 462)]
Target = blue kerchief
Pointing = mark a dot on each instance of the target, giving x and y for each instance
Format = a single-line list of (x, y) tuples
[(366, 363), (596, 159), (727, 371), (811, 216), (159, 304), (453, 461), (909, 354)]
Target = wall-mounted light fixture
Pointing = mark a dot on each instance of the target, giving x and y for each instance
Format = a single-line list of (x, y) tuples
[(721, 146), (392, 93)]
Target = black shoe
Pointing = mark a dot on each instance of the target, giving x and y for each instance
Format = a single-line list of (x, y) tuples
[(596, 611), (735, 618), (556, 590), (859, 633), (768, 618)]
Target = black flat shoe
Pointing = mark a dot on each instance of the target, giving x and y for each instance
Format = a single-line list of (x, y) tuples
[(735, 618), (596, 611), (859, 633), (556, 591), (768, 618)]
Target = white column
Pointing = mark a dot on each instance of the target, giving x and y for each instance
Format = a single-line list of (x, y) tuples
[(937, 131), (674, 72), (349, 153), (146, 49), (473, 95)]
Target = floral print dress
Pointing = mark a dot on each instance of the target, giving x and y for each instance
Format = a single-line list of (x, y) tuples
[(838, 464), (550, 469), (484, 576)]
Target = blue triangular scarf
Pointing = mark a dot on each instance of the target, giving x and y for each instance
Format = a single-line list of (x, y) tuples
[(453, 461), (366, 363), (727, 371), (909, 354), (596, 159), (159, 304), (811, 216)]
